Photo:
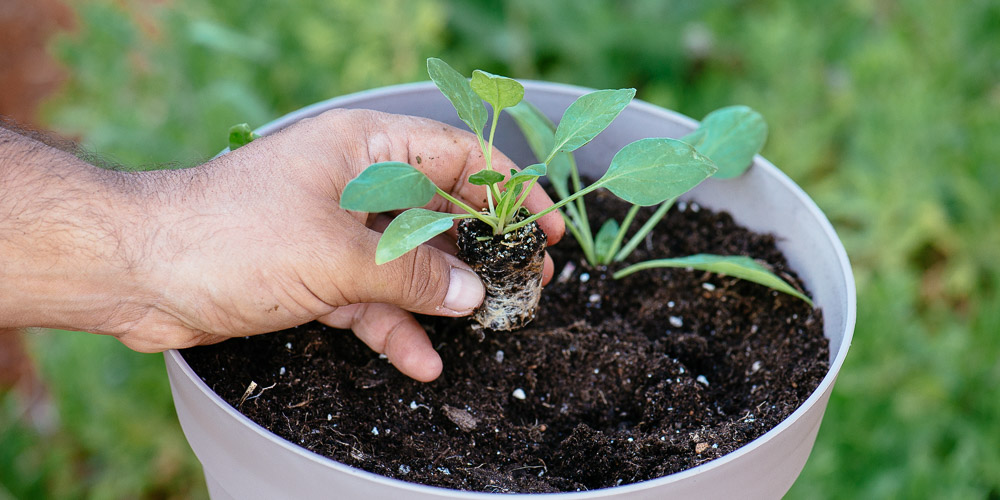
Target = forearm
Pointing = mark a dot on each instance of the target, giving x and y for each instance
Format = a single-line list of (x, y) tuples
[(70, 240)]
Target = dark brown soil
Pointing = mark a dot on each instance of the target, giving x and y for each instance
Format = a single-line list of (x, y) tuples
[(510, 266), (614, 382)]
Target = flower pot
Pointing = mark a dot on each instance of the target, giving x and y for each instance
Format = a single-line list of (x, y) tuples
[(243, 460)]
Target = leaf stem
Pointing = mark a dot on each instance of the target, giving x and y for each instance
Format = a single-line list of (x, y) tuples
[(493, 130), (524, 196), (644, 230), (491, 220), (482, 147), (581, 210), (617, 243), (558, 204), (588, 250)]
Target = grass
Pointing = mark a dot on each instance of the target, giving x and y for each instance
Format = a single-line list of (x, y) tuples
[(885, 112)]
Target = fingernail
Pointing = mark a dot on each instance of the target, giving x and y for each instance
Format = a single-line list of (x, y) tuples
[(465, 291)]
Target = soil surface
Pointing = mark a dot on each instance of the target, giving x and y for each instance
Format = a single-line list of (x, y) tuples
[(614, 382)]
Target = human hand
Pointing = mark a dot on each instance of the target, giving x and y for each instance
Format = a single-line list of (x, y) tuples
[(254, 241)]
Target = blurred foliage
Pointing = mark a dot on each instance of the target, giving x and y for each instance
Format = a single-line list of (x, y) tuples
[(884, 111)]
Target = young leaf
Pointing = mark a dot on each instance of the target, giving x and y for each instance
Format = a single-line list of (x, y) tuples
[(587, 117), (456, 88), (408, 230), (605, 239), (540, 134), (485, 177), (731, 137), (386, 186), (737, 266), (501, 92), (240, 135), (649, 171), (529, 172)]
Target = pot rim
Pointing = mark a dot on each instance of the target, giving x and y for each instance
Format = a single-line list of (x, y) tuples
[(849, 305)]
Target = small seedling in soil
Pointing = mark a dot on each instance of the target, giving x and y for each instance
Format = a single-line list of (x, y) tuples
[(502, 242), (729, 136)]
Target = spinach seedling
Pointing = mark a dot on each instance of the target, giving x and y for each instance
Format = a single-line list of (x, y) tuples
[(729, 136), (645, 172)]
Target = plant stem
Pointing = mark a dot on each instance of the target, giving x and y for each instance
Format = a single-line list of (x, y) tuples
[(524, 195), (581, 208), (644, 230), (491, 220), (606, 259), (558, 204), (502, 215), (588, 250), (493, 130), (486, 154)]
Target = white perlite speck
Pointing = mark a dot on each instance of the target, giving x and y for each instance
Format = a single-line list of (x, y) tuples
[(281, 371), (594, 298), (584, 277), (676, 321), (329, 417), (566, 273), (755, 367), (702, 380), (413, 405), (375, 431), (288, 345), (671, 304), (708, 286), (519, 393), (499, 357), (404, 469)]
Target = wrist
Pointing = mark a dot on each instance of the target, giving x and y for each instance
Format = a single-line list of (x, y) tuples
[(71, 242)]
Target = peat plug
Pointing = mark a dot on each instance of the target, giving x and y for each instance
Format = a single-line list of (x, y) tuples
[(510, 266)]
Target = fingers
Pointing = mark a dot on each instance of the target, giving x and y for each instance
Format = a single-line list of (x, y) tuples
[(446, 243), (391, 331), (424, 280), (447, 155)]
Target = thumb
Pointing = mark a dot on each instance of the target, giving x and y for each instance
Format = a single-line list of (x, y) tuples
[(424, 280)]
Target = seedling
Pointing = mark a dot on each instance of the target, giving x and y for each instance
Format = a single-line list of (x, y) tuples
[(730, 136), (651, 171), (646, 172)]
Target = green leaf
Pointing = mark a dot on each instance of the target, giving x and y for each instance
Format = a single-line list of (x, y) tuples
[(501, 92), (386, 186), (485, 177), (731, 137), (539, 131), (605, 238), (456, 88), (649, 171), (529, 172), (588, 116), (240, 135), (408, 230), (738, 266)]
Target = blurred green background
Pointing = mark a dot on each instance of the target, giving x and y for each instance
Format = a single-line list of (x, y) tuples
[(885, 111)]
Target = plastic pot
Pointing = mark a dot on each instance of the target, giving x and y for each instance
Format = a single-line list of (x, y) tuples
[(243, 460)]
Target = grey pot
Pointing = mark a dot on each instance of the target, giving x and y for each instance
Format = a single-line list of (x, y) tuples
[(243, 460)]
